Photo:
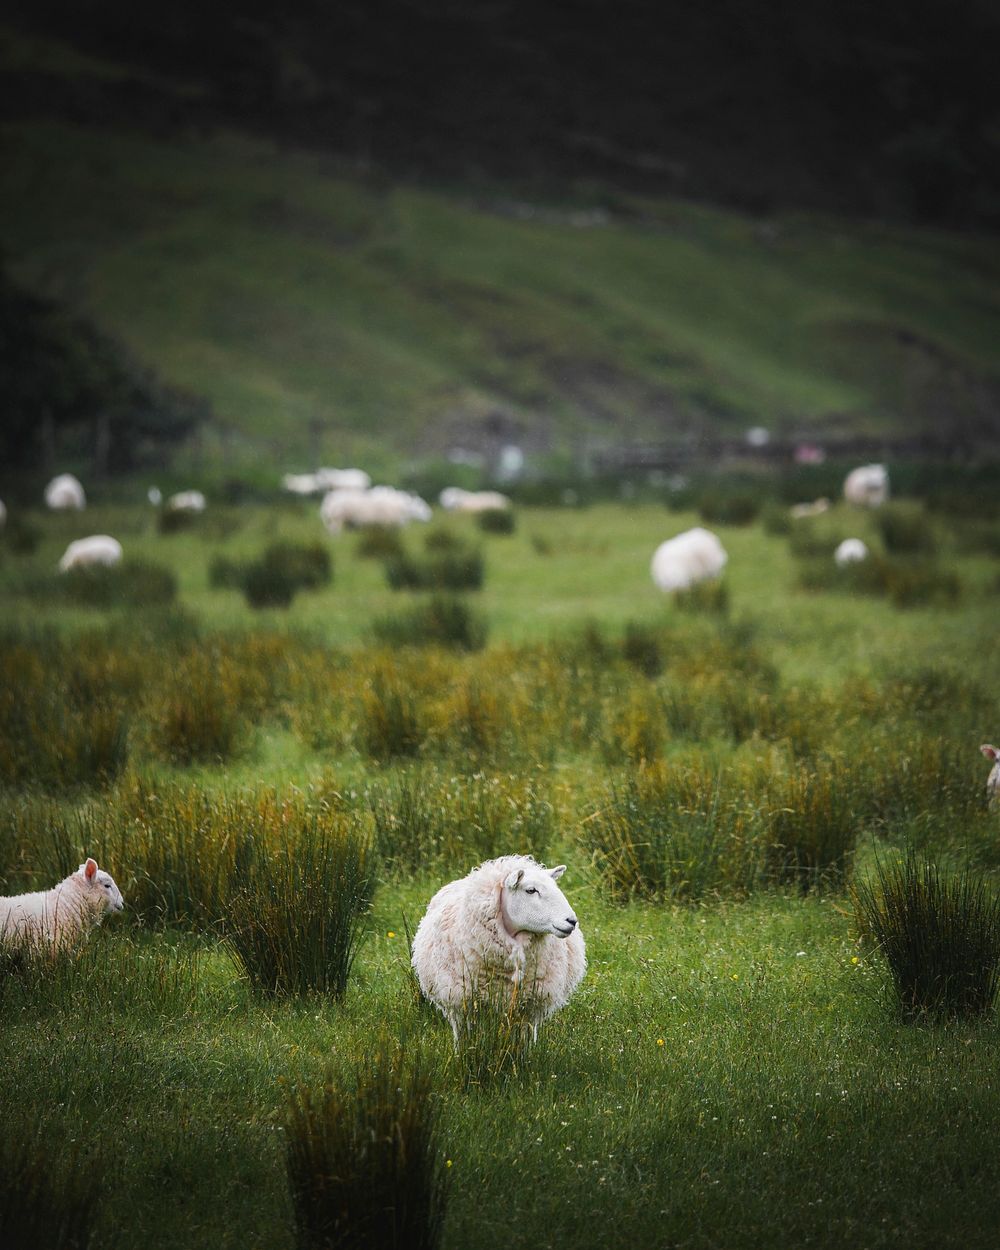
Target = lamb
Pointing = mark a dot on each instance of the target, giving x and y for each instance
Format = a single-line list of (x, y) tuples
[(800, 510), (97, 549), (61, 916), (850, 551), (64, 493), (867, 486), (455, 499), (504, 929), (186, 501), (694, 556), (993, 780)]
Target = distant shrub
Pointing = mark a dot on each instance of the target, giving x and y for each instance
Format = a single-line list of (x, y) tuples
[(641, 649), (451, 569), (442, 540), (133, 583), (274, 577), (267, 585), (440, 621), (905, 529), (364, 1158), (308, 564), (722, 507), (907, 583), (225, 574), (776, 519), (177, 520), (710, 597), (939, 935), (295, 916), (20, 536), (391, 722), (379, 542), (497, 521)]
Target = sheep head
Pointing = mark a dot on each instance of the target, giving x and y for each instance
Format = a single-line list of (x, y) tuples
[(99, 888), (531, 902)]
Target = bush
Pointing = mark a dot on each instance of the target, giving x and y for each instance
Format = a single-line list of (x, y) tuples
[(364, 1159), (131, 584), (497, 521), (453, 569), (912, 582), (723, 507), (441, 621), (641, 649), (939, 935), (268, 585), (379, 542), (295, 916), (708, 597), (178, 520), (905, 529)]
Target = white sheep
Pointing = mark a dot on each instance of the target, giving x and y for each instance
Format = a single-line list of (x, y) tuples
[(506, 929), (342, 479), (96, 549), (186, 501), (694, 556), (60, 916), (850, 551), (455, 499), (64, 493), (798, 511), (382, 505), (993, 780), (867, 486), (301, 483)]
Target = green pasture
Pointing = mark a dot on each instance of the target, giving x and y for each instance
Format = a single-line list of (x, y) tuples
[(733, 1071)]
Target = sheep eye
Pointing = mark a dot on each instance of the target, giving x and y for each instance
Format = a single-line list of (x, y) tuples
[(531, 890)]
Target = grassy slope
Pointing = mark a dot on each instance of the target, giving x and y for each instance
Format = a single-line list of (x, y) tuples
[(291, 292)]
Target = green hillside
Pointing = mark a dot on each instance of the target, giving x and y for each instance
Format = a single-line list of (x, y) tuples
[(329, 315)]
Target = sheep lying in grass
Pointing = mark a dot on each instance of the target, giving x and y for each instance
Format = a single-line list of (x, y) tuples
[(798, 511), (504, 929), (850, 551), (867, 486), (186, 501), (61, 916), (691, 557), (993, 780), (99, 549), (455, 499), (65, 493)]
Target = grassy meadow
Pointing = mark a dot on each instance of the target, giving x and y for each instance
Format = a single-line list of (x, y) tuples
[(279, 790)]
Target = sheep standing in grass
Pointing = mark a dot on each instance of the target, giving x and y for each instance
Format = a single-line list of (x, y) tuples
[(504, 929), (867, 486), (382, 505), (993, 780), (455, 499), (99, 549), (61, 916), (691, 557), (64, 493), (850, 551)]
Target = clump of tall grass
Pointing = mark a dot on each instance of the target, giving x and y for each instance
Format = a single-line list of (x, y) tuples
[(641, 649), (295, 914), (905, 529), (391, 721), (425, 817), (442, 620), (198, 715), (708, 597), (496, 1040), (812, 825), (938, 933), (134, 583), (497, 521), (908, 582), (364, 1156), (676, 832), (49, 1195), (274, 577), (453, 568), (379, 542), (727, 507), (634, 728), (178, 520)]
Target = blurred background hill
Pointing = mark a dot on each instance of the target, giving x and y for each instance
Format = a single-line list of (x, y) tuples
[(383, 231)]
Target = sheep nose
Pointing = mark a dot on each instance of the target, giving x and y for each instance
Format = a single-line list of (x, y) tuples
[(571, 921)]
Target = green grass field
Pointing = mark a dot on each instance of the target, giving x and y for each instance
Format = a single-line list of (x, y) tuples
[(733, 1071)]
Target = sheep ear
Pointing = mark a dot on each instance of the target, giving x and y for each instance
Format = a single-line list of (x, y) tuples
[(556, 873), (514, 880), (990, 752), (90, 869)]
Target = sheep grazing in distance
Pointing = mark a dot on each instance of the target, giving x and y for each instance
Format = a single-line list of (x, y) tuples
[(798, 511), (186, 501), (301, 483), (342, 479), (99, 549), (64, 494), (993, 780), (867, 486), (382, 505), (692, 557), (63, 915), (455, 499), (506, 929), (850, 551)]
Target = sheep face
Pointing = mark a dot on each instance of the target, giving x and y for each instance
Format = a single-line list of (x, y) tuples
[(531, 902), (102, 893)]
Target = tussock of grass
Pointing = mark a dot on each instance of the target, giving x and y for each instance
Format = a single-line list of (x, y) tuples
[(444, 621), (938, 933), (450, 568), (49, 1196), (364, 1156)]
